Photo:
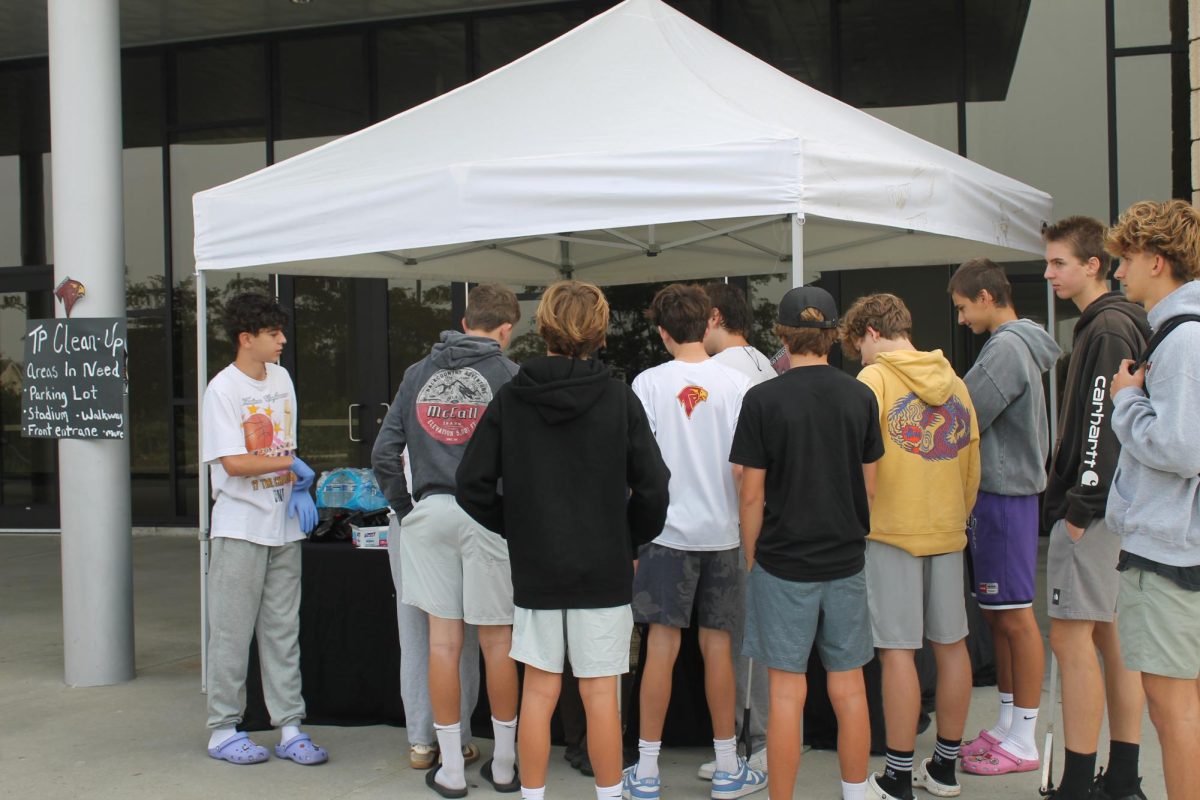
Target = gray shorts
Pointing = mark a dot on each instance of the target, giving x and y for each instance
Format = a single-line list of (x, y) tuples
[(453, 568), (913, 598), (1157, 625), (669, 583), (785, 618), (594, 640), (1081, 577)]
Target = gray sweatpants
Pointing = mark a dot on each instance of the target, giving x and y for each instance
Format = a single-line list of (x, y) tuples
[(413, 626), (253, 590)]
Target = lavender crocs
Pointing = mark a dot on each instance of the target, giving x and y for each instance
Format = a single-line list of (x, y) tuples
[(300, 748), (238, 749)]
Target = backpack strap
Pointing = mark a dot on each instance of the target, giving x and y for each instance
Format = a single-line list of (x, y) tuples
[(1163, 331)]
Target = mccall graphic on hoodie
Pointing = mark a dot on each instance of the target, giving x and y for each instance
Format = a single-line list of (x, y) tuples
[(451, 402), (434, 415)]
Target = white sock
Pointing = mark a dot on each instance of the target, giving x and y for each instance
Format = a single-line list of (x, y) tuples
[(647, 759), (288, 732), (504, 754), (220, 735), (1004, 721), (726, 750), (535, 794), (854, 791), (608, 792), (1020, 740), (452, 773)]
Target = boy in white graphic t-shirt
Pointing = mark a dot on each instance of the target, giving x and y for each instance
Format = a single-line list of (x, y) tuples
[(261, 512), (692, 404)]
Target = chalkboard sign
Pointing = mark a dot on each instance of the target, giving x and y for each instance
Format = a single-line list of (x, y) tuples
[(74, 380)]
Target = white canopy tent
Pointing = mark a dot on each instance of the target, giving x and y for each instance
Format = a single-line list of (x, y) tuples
[(637, 147)]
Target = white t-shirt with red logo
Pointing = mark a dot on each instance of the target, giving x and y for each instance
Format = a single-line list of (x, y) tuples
[(693, 410), (242, 415)]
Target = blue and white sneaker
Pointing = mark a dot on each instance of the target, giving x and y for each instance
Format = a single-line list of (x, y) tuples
[(634, 788), (747, 780)]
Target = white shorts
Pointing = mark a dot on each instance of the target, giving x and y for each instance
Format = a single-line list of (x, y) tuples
[(453, 568), (596, 640)]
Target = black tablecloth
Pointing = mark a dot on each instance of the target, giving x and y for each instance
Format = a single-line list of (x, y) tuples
[(350, 658), (349, 647)]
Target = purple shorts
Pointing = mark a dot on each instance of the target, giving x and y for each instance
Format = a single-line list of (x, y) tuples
[(1003, 547)]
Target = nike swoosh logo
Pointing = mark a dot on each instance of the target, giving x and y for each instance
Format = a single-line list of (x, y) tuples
[(1033, 717)]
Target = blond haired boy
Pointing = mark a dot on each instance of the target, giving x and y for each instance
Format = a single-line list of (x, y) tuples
[(584, 485)]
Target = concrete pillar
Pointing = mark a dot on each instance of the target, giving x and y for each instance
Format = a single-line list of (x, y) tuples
[(89, 246)]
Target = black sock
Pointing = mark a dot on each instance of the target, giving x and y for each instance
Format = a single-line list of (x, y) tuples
[(1078, 772), (1121, 778), (897, 773), (945, 757)]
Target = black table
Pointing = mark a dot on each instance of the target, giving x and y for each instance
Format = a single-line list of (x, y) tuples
[(350, 658)]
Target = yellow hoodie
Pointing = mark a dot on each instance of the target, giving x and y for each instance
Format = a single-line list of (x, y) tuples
[(927, 479)]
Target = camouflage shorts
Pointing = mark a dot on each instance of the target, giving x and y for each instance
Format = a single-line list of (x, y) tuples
[(670, 583)]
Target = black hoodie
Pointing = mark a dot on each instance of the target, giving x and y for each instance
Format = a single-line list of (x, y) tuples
[(1109, 329), (569, 443)]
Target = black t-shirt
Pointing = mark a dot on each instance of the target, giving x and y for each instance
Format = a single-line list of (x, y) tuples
[(811, 429)]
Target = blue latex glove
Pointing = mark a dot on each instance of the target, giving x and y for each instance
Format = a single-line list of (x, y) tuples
[(304, 474), (301, 505)]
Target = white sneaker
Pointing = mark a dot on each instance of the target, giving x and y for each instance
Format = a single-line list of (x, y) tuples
[(757, 761)]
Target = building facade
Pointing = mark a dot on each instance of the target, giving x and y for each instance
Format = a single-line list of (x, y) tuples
[(1089, 100)]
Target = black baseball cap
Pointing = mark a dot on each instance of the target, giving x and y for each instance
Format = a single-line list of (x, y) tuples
[(797, 300)]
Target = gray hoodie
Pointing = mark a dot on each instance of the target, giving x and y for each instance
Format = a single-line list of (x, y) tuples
[(1006, 388), (1154, 502), (435, 412)]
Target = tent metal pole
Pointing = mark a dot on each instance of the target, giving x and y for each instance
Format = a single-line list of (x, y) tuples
[(202, 471), (797, 250), (1052, 326)]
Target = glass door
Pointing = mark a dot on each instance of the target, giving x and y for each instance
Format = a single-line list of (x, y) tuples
[(28, 467), (350, 342), (338, 357)]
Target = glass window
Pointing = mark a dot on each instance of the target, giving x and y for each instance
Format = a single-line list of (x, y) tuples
[(890, 56), (764, 292), (195, 167), (419, 62), (10, 211), (28, 467), (325, 375), (187, 456), (25, 98), (418, 311), (793, 37), (220, 83), (145, 296), (923, 290), (699, 10), (503, 39), (1143, 129), (142, 99), (322, 86)]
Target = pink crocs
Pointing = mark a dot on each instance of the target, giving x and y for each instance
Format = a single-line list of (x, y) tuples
[(998, 761), (978, 746)]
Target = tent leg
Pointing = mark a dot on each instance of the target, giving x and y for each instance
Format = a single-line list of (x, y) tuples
[(797, 250), (202, 471), (1051, 326)]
